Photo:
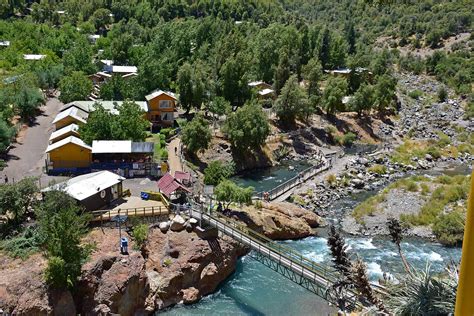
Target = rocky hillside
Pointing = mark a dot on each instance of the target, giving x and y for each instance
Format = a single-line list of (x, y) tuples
[(178, 267)]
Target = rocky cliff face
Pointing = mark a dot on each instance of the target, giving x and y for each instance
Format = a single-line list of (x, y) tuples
[(278, 220), (180, 267)]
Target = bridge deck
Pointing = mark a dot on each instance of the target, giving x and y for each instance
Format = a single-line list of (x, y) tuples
[(313, 276)]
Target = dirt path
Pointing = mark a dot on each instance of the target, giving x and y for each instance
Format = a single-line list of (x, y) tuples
[(174, 150), (27, 156)]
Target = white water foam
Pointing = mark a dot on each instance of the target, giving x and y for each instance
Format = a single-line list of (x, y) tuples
[(361, 243), (426, 256)]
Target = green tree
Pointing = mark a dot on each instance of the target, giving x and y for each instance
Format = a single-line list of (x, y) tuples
[(229, 192), (16, 199), (218, 107), (313, 73), (197, 135), (325, 48), (191, 87), (98, 126), (385, 92), (79, 58), (282, 72), (247, 128), (75, 86), (292, 103), (62, 225), (130, 123), (217, 171), (28, 100), (336, 89), (351, 38), (363, 100), (6, 134), (101, 18)]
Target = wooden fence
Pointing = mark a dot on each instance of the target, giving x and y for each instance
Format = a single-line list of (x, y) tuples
[(148, 211)]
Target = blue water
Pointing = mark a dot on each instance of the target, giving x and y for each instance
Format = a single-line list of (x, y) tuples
[(257, 290), (268, 178)]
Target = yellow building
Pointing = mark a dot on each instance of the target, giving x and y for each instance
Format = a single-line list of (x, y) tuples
[(70, 152), (69, 116), (161, 108)]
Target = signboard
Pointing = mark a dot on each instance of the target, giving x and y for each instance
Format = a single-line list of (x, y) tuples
[(208, 190)]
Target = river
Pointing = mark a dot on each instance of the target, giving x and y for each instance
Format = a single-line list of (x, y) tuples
[(255, 289)]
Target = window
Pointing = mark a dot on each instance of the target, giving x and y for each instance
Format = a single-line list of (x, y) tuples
[(165, 104)]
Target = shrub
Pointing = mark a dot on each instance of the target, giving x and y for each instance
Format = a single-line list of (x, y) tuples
[(415, 94), (167, 262), (378, 169), (449, 228), (56, 273), (433, 152), (347, 139), (140, 234), (412, 187), (331, 179), (442, 94), (24, 244), (425, 189), (444, 139)]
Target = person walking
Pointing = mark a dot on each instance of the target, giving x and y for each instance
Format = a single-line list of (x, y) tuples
[(5, 178)]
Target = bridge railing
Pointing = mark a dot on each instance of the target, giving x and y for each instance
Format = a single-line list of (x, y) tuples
[(290, 254), (291, 183)]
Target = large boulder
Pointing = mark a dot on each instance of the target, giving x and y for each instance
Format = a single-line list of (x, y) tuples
[(177, 223), (278, 220)]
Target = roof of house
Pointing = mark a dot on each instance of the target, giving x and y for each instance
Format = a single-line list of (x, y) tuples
[(87, 185), (266, 91), (68, 140), (132, 74), (33, 56), (63, 131), (158, 92), (74, 112), (88, 106), (94, 36), (107, 62), (167, 185), (121, 69), (4, 43), (181, 175), (121, 147), (255, 83)]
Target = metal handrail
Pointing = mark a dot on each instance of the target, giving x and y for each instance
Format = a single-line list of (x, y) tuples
[(290, 183)]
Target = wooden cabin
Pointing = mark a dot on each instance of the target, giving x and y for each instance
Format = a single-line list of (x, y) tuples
[(69, 152), (93, 191), (161, 108), (71, 115)]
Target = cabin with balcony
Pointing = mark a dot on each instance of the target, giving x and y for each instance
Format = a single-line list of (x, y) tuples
[(161, 108)]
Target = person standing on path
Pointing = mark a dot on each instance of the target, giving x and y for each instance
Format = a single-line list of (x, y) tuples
[(5, 178)]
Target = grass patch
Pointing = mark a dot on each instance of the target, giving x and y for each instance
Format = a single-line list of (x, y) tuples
[(369, 207), (378, 169), (450, 190), (415, 94)]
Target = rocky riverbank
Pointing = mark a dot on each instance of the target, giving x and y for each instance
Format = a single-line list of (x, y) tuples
[(179, 267)]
